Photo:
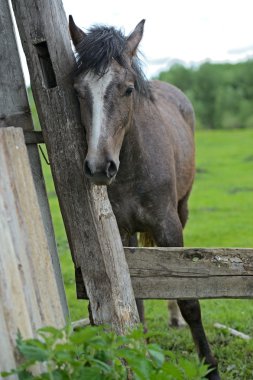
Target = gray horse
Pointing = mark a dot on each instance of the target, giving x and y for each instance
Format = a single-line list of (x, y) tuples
[(140, 137)]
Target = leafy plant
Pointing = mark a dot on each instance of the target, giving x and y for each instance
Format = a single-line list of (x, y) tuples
[(221, 93), (96, 353)]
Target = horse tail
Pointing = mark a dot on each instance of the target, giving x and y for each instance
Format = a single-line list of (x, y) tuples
[(145, 239)]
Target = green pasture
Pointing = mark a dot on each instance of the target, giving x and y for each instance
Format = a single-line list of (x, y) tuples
[(221, 215)]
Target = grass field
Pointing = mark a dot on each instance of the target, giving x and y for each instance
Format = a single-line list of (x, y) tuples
[(221, 208)]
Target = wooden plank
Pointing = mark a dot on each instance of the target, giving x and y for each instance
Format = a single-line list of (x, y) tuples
[(29, 293), (172, 273), (15, 111), (14, 108), (90, 224)]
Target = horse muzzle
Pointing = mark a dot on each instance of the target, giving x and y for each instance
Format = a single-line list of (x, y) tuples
[(100, 175)]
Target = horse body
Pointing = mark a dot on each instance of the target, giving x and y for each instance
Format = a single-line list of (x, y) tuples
[(140, 138), (156, 165)]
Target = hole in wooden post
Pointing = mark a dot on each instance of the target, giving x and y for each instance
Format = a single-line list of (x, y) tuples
[(46, 65)]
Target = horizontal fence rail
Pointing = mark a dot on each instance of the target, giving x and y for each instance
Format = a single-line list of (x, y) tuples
[(191, 272), (173, 273)]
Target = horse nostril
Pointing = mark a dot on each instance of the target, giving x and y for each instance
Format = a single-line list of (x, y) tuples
[(87, 169), (111, 169)]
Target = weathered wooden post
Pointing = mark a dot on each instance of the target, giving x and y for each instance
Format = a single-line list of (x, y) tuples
[(29, 293), (15, 111), (90, 224)]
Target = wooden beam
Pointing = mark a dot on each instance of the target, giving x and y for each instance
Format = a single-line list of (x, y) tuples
[(29, 293), (172, 273), (15, 111), (14, 108), (90, 224)]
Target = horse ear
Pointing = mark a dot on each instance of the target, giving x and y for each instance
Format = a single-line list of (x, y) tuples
[(134, 39), (76, 33)]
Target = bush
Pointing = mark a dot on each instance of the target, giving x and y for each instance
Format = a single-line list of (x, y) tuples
[(216, 92), (95, 353)]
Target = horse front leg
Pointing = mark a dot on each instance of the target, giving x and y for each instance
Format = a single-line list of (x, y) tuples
[(132, 241), (170, 234)]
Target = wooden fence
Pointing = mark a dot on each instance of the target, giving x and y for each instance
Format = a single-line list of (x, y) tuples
[(15, 111)]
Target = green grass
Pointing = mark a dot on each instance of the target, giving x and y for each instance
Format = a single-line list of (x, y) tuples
[(221, 208), (221, 203)]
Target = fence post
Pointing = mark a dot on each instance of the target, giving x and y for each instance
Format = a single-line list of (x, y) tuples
[(15, 111), (90, 224), (29, 293)]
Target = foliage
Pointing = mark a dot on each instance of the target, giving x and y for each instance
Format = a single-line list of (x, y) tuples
[(222, 94), (99, 354)]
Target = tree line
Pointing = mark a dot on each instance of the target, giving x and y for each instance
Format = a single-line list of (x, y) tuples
[(222, 94)]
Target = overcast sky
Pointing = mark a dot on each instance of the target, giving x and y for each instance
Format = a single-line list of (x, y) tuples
[(188, 30)]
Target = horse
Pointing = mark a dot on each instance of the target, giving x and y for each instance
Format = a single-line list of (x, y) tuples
[(140, 138)]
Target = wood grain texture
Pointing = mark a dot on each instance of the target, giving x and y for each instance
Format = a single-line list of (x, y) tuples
[(191, 272), (15, 111), (14, 108), (173, 273), (90, 224), (29, 293)]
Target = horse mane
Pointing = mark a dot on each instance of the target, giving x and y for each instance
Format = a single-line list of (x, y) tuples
[(96, 51)]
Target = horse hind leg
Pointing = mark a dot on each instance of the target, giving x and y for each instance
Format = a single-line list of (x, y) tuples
[(176, 319), (182, 209), (191, 311), (172, 236), (192, 315)]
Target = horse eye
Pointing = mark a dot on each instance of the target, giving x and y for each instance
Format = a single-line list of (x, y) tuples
[(129, 91)]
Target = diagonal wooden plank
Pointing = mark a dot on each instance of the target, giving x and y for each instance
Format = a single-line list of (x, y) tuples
[(90, 224)]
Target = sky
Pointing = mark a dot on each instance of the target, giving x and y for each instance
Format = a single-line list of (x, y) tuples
[(192, 31)]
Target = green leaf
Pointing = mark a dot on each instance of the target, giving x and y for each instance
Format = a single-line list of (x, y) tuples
[(5, 374), (103, 366), (89, 373), (25, 375), (172, 370), (33, 349), (156, 354), (84, 336), (60, 374), (141, 367), (56, 333), (189, 368)]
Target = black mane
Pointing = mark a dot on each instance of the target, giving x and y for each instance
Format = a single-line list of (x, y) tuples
[(96, 51)]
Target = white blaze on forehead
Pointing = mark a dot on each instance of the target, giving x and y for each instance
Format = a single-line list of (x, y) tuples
[(97, 86)]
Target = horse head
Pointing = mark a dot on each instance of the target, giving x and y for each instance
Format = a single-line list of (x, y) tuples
[(107, 78)]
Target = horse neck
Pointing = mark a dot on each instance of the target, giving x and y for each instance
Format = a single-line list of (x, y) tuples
[(132, 147)]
